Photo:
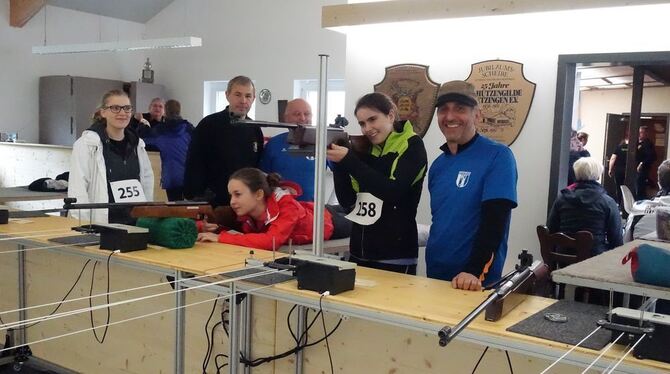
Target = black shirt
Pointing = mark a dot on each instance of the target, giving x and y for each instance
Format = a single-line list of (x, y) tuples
[(217, 150)]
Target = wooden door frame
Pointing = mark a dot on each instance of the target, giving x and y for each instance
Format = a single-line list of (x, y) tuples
[(565, 88)]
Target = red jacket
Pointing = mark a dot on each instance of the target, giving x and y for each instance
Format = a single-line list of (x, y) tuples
[(284, 219)]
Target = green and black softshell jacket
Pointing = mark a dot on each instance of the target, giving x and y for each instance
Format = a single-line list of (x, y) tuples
[(392, 172)]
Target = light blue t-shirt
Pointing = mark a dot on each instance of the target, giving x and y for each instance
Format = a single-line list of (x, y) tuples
[(458, 185)]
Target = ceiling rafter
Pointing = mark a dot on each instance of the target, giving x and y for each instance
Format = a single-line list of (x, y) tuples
[(21, 11)]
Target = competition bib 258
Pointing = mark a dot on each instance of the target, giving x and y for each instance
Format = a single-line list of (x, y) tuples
[(128, 191), (367, 209)]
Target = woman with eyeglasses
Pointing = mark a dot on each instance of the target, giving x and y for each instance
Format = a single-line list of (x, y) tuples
[(109, 163)]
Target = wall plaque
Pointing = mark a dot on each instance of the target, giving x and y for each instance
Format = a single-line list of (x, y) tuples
[(505, 97), (413, 92)]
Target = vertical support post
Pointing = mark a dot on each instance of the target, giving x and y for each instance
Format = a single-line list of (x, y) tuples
[(234, 354), (246, 333), (320, 164), (302, 324), (22, 292), (180, 317), (634, 127)]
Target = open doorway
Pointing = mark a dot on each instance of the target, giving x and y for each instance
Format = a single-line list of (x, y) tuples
[(567, 111), (617, 132)]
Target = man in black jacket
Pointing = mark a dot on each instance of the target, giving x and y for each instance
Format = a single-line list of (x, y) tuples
[(644, 158), (218, 149)]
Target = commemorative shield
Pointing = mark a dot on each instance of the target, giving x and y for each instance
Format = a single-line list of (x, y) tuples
[(413, 92), (505, 97)]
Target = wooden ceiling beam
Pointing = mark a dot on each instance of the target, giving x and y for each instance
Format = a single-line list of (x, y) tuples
[(21, 11), (418, 10)]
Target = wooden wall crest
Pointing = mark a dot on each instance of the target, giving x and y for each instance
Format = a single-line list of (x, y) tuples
[(505, 97), (413, 92)]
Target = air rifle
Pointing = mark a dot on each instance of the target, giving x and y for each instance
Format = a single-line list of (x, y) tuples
[(528, 271), (302, 138), (198, 210)]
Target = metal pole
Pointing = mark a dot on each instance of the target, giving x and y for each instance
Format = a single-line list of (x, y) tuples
[(234, 354), (302, 324), (320, 164), (246, 335), (180, 317), (22, 293)]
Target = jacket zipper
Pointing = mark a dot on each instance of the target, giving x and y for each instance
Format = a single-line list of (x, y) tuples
[(362, 243)]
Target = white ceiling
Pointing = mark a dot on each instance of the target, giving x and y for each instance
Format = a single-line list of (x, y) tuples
[(139, 11), (608, 76)]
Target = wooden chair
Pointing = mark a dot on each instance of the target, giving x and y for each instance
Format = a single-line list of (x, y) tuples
[(560, 250)]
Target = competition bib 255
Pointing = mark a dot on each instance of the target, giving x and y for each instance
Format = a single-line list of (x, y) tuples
[(128, 191)]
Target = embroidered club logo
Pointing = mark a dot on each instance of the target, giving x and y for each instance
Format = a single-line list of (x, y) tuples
[(462, 179)]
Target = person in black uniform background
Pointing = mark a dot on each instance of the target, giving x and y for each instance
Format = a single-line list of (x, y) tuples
[(644, 158), (218, 149)]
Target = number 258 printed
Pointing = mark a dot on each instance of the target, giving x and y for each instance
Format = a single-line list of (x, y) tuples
[(366, 209)]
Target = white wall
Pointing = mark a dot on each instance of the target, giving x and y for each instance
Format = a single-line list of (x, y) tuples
[(595, 104), (272, 42), (449, 47), (20, 69)]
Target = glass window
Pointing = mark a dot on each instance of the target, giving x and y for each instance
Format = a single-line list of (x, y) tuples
[(215, 98), (308, 89)]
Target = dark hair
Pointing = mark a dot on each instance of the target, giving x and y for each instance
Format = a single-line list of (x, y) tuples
[(242, 81), (256, 180), (172, 108), (377, 101)]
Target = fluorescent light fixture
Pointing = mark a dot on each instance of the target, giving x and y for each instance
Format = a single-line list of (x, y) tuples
[(127, 45)]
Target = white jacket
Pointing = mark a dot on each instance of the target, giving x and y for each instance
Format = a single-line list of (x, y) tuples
[(88, 179)]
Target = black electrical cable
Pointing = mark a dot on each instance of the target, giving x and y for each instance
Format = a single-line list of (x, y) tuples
[(509, 362), (262, 360), (81, 272), (325, 333), (259, 361), (90, 302), (480, 360), (210, 345), (288, 323), (216, 362)]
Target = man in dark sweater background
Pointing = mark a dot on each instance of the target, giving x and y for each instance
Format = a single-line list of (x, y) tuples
[(218, 148)]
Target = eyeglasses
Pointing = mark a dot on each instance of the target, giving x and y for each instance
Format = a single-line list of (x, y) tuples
[(117, 108)]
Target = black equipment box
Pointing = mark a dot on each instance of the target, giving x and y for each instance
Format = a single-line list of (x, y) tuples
[(322, 274), (124, 238), (654, 346)]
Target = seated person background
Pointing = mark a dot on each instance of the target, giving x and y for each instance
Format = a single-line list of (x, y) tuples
[(647, 224), (586, 206), (296, 168), (172, 140), (269, 215)]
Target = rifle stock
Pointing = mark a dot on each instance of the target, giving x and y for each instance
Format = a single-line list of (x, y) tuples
[(181, 211), (223, 215)]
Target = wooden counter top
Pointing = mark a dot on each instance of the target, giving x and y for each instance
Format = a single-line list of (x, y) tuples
[(198, 260)]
